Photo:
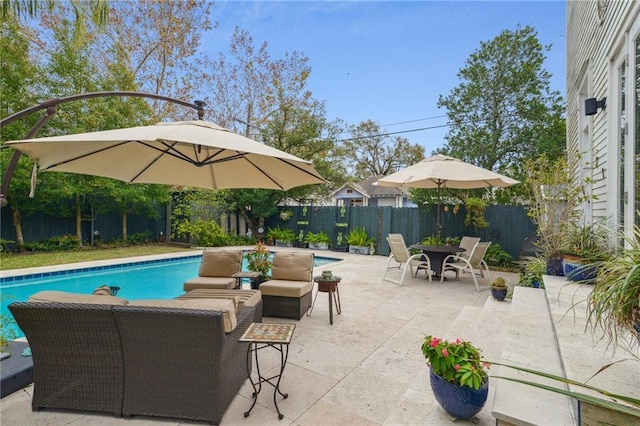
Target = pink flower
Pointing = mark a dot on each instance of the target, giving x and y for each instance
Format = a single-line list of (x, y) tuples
[(434, 342), (445, 353), (458, 341), (457, 367)]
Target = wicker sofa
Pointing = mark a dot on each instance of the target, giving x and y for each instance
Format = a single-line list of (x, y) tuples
[(130, 359)]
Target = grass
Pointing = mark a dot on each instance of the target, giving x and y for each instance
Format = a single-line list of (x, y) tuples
[(32, 260)]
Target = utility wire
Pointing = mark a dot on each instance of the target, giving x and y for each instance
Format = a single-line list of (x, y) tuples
[(413, 121)]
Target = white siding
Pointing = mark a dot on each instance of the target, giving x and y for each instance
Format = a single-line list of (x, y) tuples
[(596, 45)]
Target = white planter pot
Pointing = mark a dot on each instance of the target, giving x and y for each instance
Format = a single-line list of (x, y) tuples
[(284, 243), (359, 249), (319, 246)]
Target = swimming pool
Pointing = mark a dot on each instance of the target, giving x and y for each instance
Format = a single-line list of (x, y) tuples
[(153, 279)]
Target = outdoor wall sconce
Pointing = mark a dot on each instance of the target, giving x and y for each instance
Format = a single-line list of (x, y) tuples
[(591, 105)]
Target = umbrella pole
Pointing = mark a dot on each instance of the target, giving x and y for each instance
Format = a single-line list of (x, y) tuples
[(438, 226)]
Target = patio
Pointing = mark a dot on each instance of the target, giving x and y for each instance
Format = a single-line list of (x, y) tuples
[(367, 368)]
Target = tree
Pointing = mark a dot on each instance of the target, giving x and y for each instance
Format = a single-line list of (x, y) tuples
[(267, 100), (504, 110), (370, 153), (97, 10)]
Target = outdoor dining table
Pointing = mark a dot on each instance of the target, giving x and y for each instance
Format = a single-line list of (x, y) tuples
[(437, 254)]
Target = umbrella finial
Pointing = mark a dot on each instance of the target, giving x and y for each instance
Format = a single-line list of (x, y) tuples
[(200, 107)]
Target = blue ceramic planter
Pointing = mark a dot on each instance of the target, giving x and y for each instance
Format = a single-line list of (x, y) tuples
[(576, 271), (459, 401)]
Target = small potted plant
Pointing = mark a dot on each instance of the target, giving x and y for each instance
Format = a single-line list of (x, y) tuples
[(318, 241), (458, 376), (259, 260), (358, 240), (499, 288)]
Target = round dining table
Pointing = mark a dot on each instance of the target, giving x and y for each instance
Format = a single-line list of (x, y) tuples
[(437, 254)]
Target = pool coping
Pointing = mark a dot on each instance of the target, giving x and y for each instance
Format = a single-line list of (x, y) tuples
[(15, 275)]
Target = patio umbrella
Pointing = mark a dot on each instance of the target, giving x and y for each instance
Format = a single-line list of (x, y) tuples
[(440, 172), (189, 153)]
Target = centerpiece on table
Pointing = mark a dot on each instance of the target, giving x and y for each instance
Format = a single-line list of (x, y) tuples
[(458, 377), (258, 260)]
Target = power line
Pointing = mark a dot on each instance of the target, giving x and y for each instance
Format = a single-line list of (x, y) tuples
[(413, 121), (394, 133)]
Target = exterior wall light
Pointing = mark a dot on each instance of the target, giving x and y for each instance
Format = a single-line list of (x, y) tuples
[(592, 105)]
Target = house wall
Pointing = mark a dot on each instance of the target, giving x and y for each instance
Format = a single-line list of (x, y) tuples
[(602, 61)]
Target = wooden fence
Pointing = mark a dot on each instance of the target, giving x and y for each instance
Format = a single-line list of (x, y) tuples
[(508, 226)]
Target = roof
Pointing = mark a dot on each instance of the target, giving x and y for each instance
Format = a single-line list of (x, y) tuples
[(368, 189)]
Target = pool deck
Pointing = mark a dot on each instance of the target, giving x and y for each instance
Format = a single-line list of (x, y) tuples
[(367, 368)]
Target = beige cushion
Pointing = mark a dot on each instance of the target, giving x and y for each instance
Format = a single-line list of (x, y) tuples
[(66, 297), (209, 282), (103, 290), (293, 266), (226, 306), (234, 299), (286, 288), (220, 263), (244, 297)]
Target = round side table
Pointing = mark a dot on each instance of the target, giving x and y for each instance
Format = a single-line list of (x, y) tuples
[(329, 286)]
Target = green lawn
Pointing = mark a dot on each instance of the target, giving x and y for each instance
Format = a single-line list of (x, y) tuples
[(32, 260)]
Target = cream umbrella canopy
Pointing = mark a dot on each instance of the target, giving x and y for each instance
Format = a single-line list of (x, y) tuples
[(441, 171), (188, 153)]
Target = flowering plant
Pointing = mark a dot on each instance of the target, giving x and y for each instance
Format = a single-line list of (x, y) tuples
[(457, 362), (259, 261)]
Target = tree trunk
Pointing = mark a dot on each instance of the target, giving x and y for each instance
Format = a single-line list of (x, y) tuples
[(79, 220), (17, 225), (124, 227)]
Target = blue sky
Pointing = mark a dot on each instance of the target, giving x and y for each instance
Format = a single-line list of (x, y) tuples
[(389, 61)]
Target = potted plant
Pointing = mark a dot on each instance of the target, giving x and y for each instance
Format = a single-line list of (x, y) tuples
[(499, 288), (319, 241), (614, 302), (532, 272), (283, 237), (285, 215), (458, 377), (584, 248), (358, 240), (556, 195), (259, 260)]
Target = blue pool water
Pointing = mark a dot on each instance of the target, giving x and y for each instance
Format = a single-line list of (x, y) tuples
[(162, 279)]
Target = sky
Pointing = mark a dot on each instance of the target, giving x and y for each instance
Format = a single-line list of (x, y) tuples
[(389, 61)]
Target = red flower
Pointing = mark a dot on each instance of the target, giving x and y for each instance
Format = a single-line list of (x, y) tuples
[(434, 342)]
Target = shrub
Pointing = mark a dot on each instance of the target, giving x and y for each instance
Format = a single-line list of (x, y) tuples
[(139, 237), (205, 233), (495, 256)]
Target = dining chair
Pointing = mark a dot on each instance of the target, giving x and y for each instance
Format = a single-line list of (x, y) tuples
[(474, 265), (468, 243), (406, 261)]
